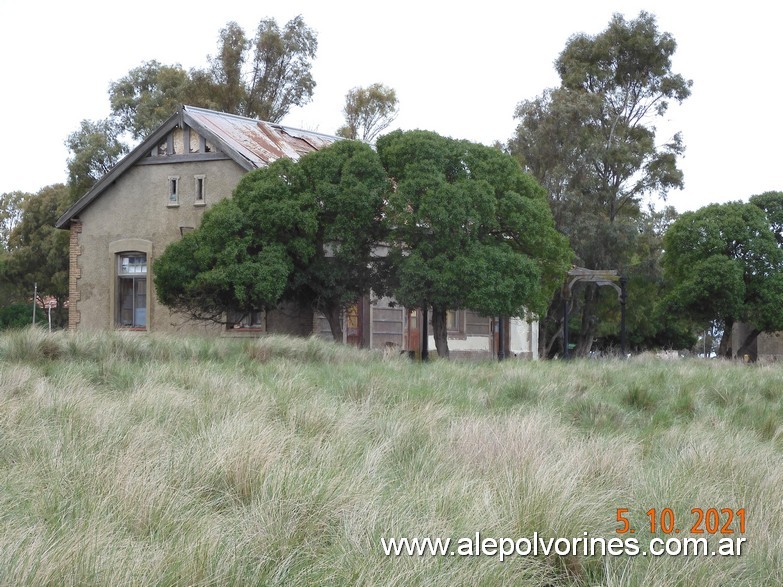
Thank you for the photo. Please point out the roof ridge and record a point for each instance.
(280, 125)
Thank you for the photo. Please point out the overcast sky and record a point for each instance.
(458, 71)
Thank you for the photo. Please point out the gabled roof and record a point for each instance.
(250, 143)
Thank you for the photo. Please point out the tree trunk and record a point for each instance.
(724, 349)
(545, 344)
(552, 323)
(334, 316)
(556, 339)
(587, 330)
(439, 332)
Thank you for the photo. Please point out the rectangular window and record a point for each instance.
(132, 290)
(173, 191)
(455, 322)
(130, 265)
(201, 185)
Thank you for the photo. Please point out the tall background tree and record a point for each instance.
(14, 311)
(145, 97)
(368, 112)
(468, 230)
(95, 148)
(592, 144)
(11, 211)
(281, 65)
(649, 323)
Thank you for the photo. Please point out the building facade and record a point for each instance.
(160, 191)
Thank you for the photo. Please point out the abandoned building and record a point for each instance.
(161, 189)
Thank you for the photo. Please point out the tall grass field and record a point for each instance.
(146, 460)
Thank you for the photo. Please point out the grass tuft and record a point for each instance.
(280, 461)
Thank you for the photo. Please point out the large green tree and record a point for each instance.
(303, 231)
(468, 229)
(38, 252)
(368, 112)
(723, 263)
(592, 144)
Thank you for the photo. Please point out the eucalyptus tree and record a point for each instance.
(11, 210)
(368, 112)
(94, 149)
(592, 144)
(146, 96)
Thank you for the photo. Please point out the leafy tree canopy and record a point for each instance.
(468, 229)
(11, 210)
(772, 205)
(15, 316)
(368, 112)
(147, 96)
(302, 231)
(95, 148)
(278, 77)
(723, 263)
(38, 252)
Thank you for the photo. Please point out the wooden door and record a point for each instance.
(413, 332)
(353, 325)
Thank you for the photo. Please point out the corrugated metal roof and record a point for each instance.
(251, 143)
(257, 141)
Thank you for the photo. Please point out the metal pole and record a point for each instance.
(623, 298)
(565, 328)
(35, 300)
(501, 340)
(705, 343)
(425, 353)
(49, 306)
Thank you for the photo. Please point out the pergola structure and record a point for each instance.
(600, 277)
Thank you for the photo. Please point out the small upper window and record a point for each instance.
(173, 191)
(133, 264)
(200, 190)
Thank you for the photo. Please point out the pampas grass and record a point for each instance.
(147, 460)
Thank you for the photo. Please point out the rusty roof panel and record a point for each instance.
(259, 142)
